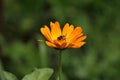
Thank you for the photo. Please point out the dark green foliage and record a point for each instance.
(99, 59)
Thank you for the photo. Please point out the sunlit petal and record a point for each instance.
(65, 29)
(69, 31)
(77, 45)
(75, 34)
(46, 32)
(81, 38)
(55, 30)
(50, 44)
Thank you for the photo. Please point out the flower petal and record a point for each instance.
(81, 38)
(50, 44)
(69, 30)
(60, 44)
(55, 30)
(77, 45)
(75, 34)
(65, 29)
(46, 32)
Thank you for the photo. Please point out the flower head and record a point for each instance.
(68, 37)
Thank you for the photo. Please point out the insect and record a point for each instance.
(62, 37)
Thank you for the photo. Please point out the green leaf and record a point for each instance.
(39, 74)
(9, 76)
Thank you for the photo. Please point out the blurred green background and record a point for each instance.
(99, 59)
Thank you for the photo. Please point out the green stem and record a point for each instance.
(60, 64)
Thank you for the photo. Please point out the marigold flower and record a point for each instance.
(69, 37)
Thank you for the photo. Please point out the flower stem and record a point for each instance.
(60, 64)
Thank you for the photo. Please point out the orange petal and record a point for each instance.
(77, 45)
(68, 32)
(75, 38)
(75, 34)
(60, 44)
(55, 30)
(81, 38)
(65, 29)
(77, 30)
(50, 44)
(46, 32)
(64, 45)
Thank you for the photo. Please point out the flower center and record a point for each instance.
(61, 37)
(61, 42)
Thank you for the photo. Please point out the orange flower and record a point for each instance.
(69, 37)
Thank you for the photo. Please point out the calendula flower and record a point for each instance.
(68, 37)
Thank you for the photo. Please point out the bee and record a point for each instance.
(62, 37)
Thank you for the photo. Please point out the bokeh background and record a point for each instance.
(21, 53)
